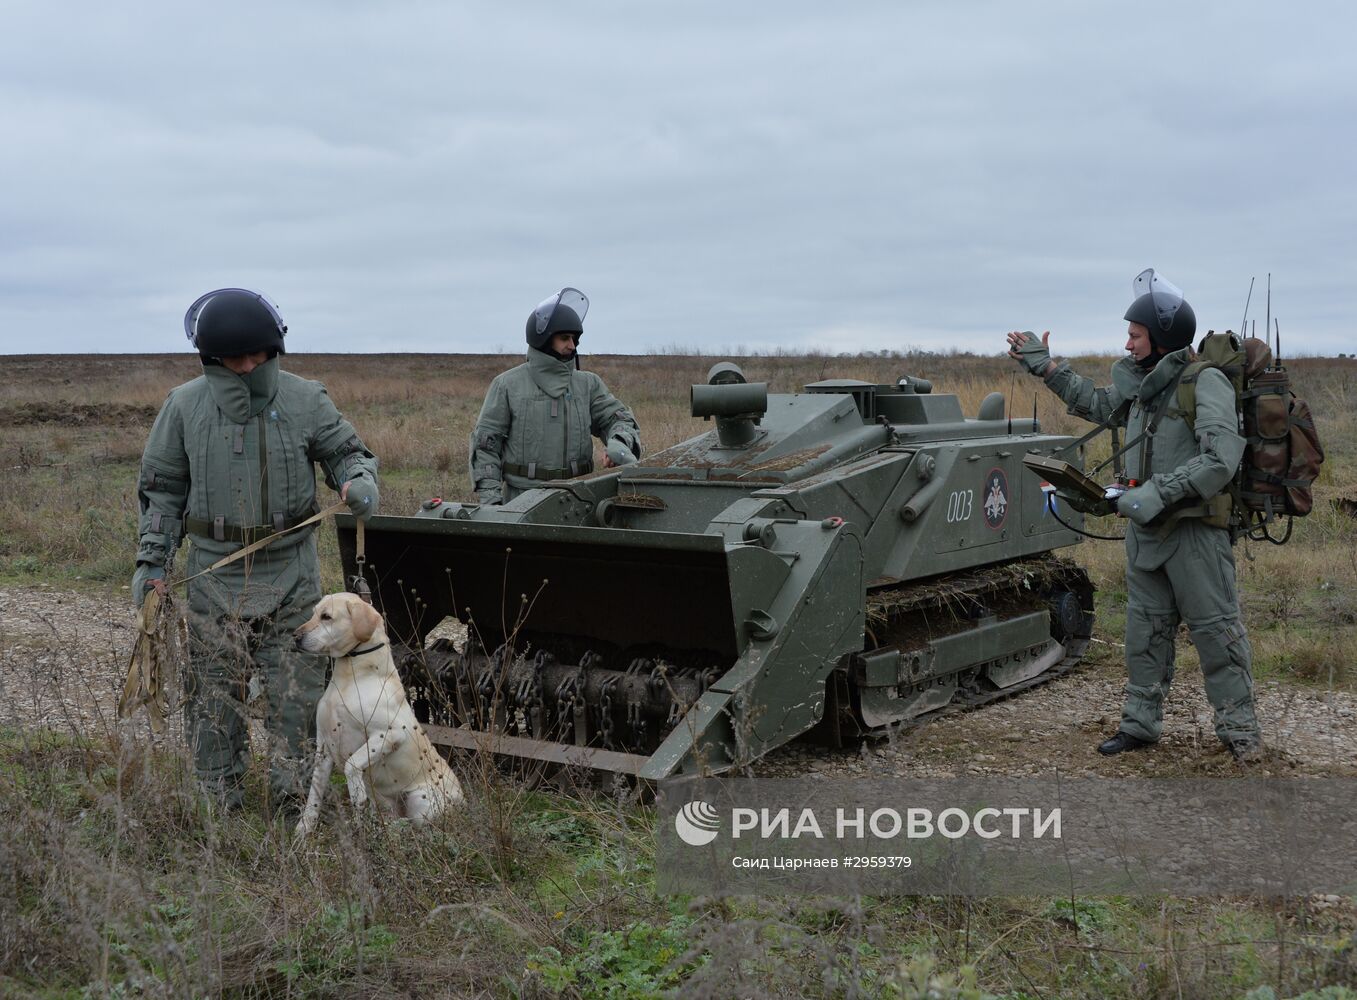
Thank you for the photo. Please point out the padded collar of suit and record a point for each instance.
(241, 397)
(1127, 376)
(551, 374)
(1163, 374)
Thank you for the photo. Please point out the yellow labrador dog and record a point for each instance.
(364, 722)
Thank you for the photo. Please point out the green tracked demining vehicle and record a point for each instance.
(836, 562)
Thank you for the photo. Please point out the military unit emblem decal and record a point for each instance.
(996, 498)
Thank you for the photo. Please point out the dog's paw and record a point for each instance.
(358, 793)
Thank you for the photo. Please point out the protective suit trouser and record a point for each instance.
(1195, 584)
(224, 653)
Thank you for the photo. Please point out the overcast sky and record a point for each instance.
(417, 176)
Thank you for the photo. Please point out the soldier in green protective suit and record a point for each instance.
(229, 461)
(1179, 563)
(535, 425)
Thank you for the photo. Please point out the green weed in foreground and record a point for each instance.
(1087, 916)
(915, 980)
(339, 944)
(640, 961)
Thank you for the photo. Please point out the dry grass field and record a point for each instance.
(115, 881)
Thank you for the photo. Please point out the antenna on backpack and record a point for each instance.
(1267, 322)
(1034, 413)
(1244, 323)
(1278, 325)
(1008, 403)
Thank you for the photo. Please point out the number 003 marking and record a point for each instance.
(960, 505)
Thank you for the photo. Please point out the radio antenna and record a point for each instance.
(1267, 322)
(1034, 413)
(1279, 342)
(1008, 404)
(1244, 323)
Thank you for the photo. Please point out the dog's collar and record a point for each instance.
(359, 652)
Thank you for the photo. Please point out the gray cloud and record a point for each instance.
(416, 176)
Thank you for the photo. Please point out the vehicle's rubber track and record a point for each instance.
(908, 609)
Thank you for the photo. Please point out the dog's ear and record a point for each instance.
(366, 619)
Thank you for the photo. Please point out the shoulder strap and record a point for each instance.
(1147, 449)
(1116, 417)
(1187, 391)
(1113, 421)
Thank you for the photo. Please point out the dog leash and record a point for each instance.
(359, 583)
(158, 627)
(267, 540)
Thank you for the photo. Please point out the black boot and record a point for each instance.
(1120, 743)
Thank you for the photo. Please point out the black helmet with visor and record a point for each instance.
(1159, 306)
(230, 322)
(561, 313)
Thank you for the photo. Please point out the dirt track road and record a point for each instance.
(62, 660)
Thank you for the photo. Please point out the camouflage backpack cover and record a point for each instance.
(1282, 453)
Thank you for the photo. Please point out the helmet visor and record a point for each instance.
(572, 298)
(191, 317)
(1166, 296)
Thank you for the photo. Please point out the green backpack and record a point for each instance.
(1282, 453)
